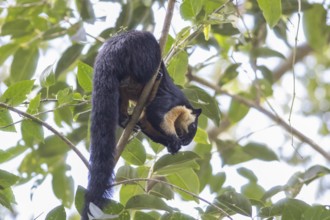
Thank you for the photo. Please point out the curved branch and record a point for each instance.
(176, 187)
(45, 112)
(269, 114)
(147, 88)
(46, 125)
(301, 52)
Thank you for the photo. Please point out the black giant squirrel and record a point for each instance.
(123, 66)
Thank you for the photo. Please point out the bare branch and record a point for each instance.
(269, 114)
(166, 25)
(46, 125)
(301, 52)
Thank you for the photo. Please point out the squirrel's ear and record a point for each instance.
(197, 112)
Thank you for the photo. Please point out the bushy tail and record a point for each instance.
(104, 120)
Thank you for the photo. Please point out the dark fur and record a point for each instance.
(132, 56)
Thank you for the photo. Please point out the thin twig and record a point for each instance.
(269, 114)
(176, 187)
(46, 125)
(294, 72)
(146, 90)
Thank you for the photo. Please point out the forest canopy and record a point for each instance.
(258, 69)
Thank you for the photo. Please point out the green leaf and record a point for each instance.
(189, 9)
(201, 137)
(139, 202)
(47, 77)
(116, 209)
(79, 200)
(6, 51)
(17, 92)
(177, 67)
(5, 120)
(186, 179)
(247, 174)
(157, 148)
(209, 6)
(86, 10)
(315, 172)
(262, 86)
(16, 28)
(126, 172)
(260, 151)
(266, 52)
(32, 132)
(267, 74)
(52, 146)
(272, 10)
(24, 64)
(176, 216)
(168, 164)
(58, 213)
(208, 104)
(7, 198)
(7, 179)
(232, 201)
(162, 190)
(229, 74)
(217, 181)
(63, 187)
(64, 114)
(253, 191)
(231, 153)
(288, 209)
(272, 191)
(315, 27)
(31, 165)
(54, 32)
(134, 152)
(128, 191)
(11, 153)
(64, 96)
(317, 212)
(85, 76)
(142, 216)
(34, 104)
(206, 31)
(183, 34)
(204, 173)
(169, 44)
(238, 110)
(68, 58)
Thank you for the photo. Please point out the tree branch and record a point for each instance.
(176, 187)
(269, 114)
(47, 111)
(301, 52)
(147, 89)
(46, 125)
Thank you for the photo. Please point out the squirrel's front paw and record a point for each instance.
(174, 146)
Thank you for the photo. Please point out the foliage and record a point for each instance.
(240, 74)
